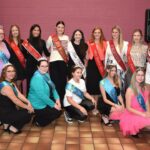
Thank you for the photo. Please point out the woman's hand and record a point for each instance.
(57, 107)
(58, 103)
(83, 110)
(93, 101)
(30, 109)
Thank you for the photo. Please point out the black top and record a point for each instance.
(20, 70)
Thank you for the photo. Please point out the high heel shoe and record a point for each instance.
(106, 121)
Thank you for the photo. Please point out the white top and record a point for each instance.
(55, 56)
(109, 57)
(147, 75)
(80, 85)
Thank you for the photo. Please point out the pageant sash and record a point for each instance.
(18, 52)
(3, 57)
(99, 63)
(130, 62)
(77, 60)
(74, 90)
(141, 101)
(31, 49)
(116, 55)
(59, 47)
(109, 88)
(6, 83)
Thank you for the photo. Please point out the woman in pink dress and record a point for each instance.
(137, 114)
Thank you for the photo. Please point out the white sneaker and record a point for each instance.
(95, 112)
(67, 118)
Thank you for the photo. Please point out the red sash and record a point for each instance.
(116, 55)
(99, 63)
(31, 50)
(59, 47)
(18, 52)
(130, 62)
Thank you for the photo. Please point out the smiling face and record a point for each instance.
(137, 37)
(140, 76)
(77, 36)
(115, 34)
(43, 67)
(77, 74)
(15, 31)
(112, 71)
(10, 73)
(60, 29)
(36, 32)
(1, 34)
(97, 34)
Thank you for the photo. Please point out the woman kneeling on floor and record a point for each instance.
(43, 96)
(111, 104)
(15, 109)
(76, 106)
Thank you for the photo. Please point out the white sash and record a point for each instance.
(76, 59)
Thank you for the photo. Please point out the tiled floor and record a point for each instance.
(91, 135)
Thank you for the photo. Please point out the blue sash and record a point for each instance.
(141, 101)
(6, 83)
(3, 57)
(109, 88)
(74, 90)
(46, 77)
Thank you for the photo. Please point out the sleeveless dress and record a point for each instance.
(131, 123)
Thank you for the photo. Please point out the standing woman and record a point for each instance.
(95, 67)
(58, 44)
(4, 51)
(136, 54)
(137, 114)
(15, 109)
(35, 47)
(18, 52)
(80, 48)
(116, 54)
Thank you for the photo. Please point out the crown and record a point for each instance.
(42, 58)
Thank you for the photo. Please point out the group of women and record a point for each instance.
(106, 77)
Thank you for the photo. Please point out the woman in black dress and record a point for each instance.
(40, 46)
(80, 48)
(17, 54)
(111, 102)
(96, 55)
(13, 118)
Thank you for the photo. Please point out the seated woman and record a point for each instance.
(43, 96)
(137, 114)
(111, 104)
(75, 104)
(11, 116)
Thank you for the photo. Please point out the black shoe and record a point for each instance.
(135, 136)
(106, 121)
(67, 118)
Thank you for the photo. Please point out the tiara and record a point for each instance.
(7, 64)
(77, 66)
(42, 58)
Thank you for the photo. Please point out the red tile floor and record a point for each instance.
(91, 135)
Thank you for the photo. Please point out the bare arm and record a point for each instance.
(105, 98)
(129, 94)
(88, 96)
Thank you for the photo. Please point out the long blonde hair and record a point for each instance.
(120, 41)
(133, 81)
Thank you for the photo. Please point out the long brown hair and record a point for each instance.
(133, 81)
(120, 41)
(102, 38)
(115, 78)
(11, 36)
(3, 73)
(139, 31)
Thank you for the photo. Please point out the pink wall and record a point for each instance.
(83, 14)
